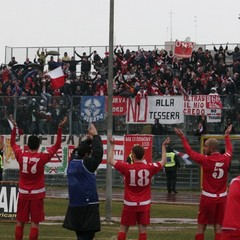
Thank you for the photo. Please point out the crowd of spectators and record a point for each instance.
(136, 74)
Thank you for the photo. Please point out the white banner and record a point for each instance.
(59, 162)
(208, 105)
(168, 109)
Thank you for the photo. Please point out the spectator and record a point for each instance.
(228, 123)
(85, 63)
(23, 119)
(5, 74)
(67, 92)
(214, 190)
(33, 109)
(27, 62)
(97, 60)
(42, 57)
(58, 111)
(52, 64)
(157, 130)
(105, 59)
(230, 90)
(83, 215)
(16, 90)
(12, 62)
(201, 125)
(65, 57)
(42, 120)
(213, 91)
(118, 51)
(235, 54)
(72, 67)
(236, 67)
(220, 54)
(46, 91)
(77, 125)
(169, 58)
(31, 181)
(171, 167)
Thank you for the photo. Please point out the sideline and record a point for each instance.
(117, 220)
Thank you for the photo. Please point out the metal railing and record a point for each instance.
(21, 53)
(21, 108)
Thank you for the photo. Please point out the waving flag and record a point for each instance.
(185, 157)
(19, 131)
(57, 77)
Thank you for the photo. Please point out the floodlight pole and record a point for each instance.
(109, 114)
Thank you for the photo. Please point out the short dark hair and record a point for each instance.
(83, 149)
(33, 142)
(138, 151)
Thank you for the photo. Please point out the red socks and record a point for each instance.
(121, 236)
(199, 236)
(142, 236)
(18, 233)
(217, 236)
(33, 234)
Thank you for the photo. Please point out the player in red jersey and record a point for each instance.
(137, 188)
(231, 223)
(215, 168)
(31, 181)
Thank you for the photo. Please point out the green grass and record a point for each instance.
(57, 207)
(109, 232)
(165, 231)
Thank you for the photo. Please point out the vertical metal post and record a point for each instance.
(110, 115)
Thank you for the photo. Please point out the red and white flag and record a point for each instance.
(185, 157)
(183, 49)
(19, 131)
(57, 77)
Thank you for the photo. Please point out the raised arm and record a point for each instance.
(14, 131)
(57, 145)
(164, 151)
(13, 137)
(78, 54)
(110, 159)
(93, 162)
(228, 144)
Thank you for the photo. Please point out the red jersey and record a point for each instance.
(31, 168)
(137, 182)
(232, 209)
(215, 168)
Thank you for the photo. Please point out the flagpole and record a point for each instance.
(109, 114)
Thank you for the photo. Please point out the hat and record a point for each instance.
(213, 89)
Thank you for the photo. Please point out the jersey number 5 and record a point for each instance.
(218, 171)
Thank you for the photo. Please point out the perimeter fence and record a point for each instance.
(188, 175)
